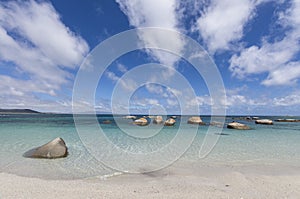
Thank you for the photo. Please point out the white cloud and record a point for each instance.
(145, 102)
(289, 100)
(172, 102)
(155, 13)
(37, 45)
(128, 84)
(174, 92)
(15, 87)
(150, 13)
(40, 24)
(235, 100)
(112, 76)
(154, 88)
(284, 75)
(274, 58)
(163, 91)
(222, 22)
(153, 101)
(122, 68)
(200, 101)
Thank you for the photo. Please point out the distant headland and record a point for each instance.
(18, 111)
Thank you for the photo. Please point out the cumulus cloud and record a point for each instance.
(274, 58)
(222, 22)
(37, 45)
(155, 13)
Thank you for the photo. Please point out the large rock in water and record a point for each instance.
(264, 121)
(55, 149)
(239, 126)
(158, 120)
(141, 122)
(170, 122)
(195, 120)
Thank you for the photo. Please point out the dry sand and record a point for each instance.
(208, 182)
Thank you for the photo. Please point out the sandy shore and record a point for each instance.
(208, 182)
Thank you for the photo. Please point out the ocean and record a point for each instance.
(90, 155)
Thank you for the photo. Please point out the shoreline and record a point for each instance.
(229, 181)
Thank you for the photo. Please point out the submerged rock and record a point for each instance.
(287, 120)
(141, 122)
(106, 122)
(264, 121)
(195, 120)
(54, 149)
(170, 122)
(158, 120)
(217, 124)
(239, 126)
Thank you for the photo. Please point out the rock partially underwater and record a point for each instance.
(195, 120)
(170, 122)
(264, 121)
(239, 126)
(158, 120)
(54, 149)
(141, 122)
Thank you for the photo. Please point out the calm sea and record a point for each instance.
(263, 144)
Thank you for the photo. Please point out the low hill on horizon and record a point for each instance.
(18, 111)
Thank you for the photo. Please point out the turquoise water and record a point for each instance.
(263, 144)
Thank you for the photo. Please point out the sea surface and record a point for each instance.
(277, 144)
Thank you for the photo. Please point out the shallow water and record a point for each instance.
(263, 144)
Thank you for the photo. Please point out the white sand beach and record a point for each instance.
(208, 182)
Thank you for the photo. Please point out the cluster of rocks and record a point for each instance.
(240, 126)
(57, 148)
(156, 120)
(169, 122)
(198, 121)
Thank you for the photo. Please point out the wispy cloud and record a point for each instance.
(122, 68)
(128, 84)
(289, 100)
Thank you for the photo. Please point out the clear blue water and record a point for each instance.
(263, 144)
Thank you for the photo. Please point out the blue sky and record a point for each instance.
(254, 43)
